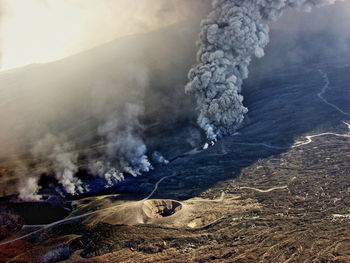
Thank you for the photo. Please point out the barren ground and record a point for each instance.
(239, 201)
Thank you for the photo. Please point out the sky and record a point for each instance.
(38, 31)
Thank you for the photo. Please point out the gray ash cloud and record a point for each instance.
(233, 34)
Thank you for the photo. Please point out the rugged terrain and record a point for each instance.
(267, 194)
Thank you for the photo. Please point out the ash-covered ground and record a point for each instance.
(267, 194)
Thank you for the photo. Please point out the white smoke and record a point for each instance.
(233, 33)
(157, 157)
(67, 103)
(118, 107)
(125, 153)
(125, 150)
(28, 189)
(61, 159)
(56, 157)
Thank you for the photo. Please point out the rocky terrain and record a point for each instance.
(277, 191)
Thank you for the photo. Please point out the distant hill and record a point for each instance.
(59, 96)
(71, 96)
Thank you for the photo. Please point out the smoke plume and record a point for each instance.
(233, 33)
(125, 150)
(157, 157)
(58, 158)
(28, 189)
(119, 129)
(105, 105)
(62, 159)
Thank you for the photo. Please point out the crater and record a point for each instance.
(158, 208)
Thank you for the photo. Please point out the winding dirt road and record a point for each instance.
(195, 151)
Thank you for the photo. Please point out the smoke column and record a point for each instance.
(125, 150)
(119, 128)
(233, 33)
(62, 160)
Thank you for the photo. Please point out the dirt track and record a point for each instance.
(271, 199)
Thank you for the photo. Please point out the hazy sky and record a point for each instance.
(34, 31)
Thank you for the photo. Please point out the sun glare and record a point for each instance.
(36, 31)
